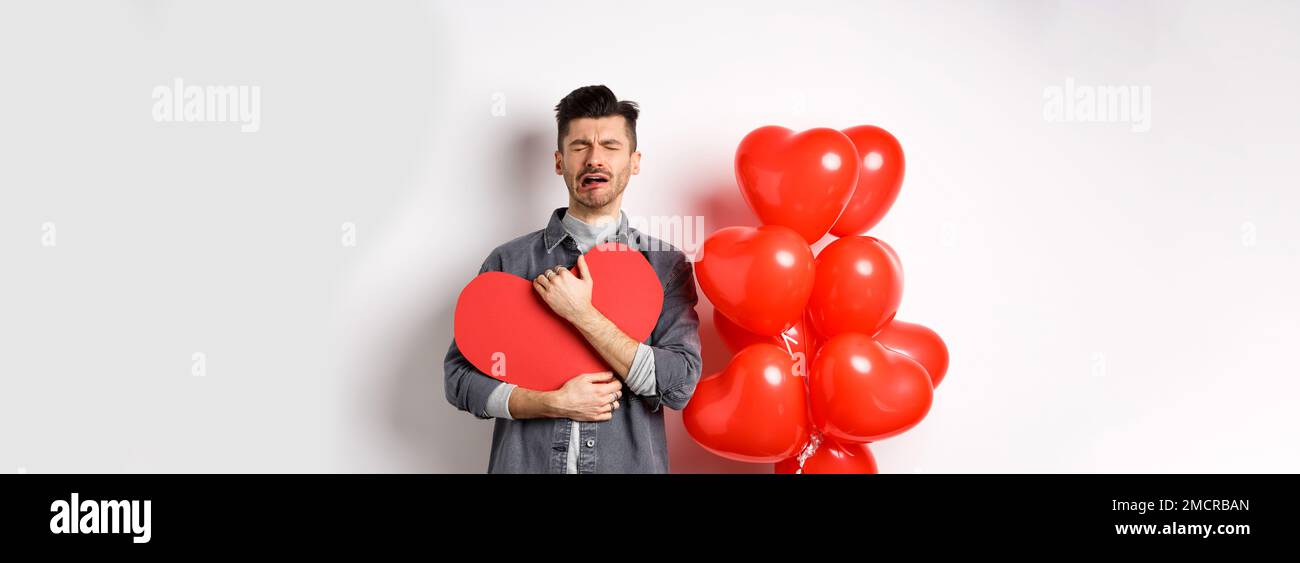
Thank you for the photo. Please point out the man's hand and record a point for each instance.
(570, 297)
(566, 294)
(590, 397)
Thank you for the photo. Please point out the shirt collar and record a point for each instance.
(554, 233)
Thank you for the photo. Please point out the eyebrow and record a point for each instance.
(586, 142)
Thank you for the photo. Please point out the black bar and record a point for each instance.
(337, 510)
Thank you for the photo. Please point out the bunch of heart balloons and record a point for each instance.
(821, 367)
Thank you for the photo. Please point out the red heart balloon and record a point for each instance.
(920, 344)
(507, 331)
(759, 278)
(858, 289)
(755, 410)
(737, 338)
(796, 339)
(880, 177)
(863, 392)
(833, 458)
(801, 181)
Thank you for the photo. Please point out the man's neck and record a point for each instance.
(590, 216)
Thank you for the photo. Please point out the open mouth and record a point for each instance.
(593, 181)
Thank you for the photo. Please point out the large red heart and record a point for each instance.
(801, 181)
(507, 331)
(755, 410)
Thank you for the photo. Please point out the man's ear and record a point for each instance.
(559, 163)
(636, 162)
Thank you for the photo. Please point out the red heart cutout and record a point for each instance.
(755, 410)
(801, 181)
(505, 329)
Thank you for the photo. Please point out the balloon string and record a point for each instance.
(814, 440)
(785, 337)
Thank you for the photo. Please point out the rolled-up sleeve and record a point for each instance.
(467, 388)
(641, 375)
(675, 341)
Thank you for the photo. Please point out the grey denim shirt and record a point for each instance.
(633, 441)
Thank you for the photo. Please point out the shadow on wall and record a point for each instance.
(433, 435)
(441, 438)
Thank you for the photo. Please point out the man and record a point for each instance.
(612, 421)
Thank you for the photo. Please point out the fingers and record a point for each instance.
(552, 275)
(598, 376)
(610, 387)
(607, 407)
(591, 378)
(598, 417)
(556, 274)
(541, 283)
(602, 405)
(582, 268)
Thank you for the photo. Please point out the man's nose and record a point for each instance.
(596, 158)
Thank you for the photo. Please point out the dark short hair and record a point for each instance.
(594, 101)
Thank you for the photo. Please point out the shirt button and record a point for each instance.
(590, 442)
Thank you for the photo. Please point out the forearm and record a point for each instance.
(614, 346)
(528, 403)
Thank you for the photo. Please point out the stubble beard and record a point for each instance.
(598, 200)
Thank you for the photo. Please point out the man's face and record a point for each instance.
(596, 160)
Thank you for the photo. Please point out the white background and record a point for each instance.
(1113, 301)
